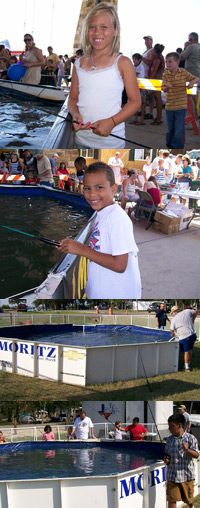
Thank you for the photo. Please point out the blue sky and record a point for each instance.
(168, 23)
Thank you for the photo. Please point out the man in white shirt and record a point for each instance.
(116, 164)
(45, 175)
(188, 423)
(82, 425)
(182, 326)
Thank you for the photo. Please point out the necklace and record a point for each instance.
(94, 66)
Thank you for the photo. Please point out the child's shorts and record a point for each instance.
(188, 343)
(180, 492)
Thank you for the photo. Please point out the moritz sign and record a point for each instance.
(47, 352)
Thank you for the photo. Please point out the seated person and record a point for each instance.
(129, 186)
(62, 170)
(80, 165)
(152, 187)
(31, 179)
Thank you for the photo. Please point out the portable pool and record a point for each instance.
(94, 474)
(84, 355)
(43, 212)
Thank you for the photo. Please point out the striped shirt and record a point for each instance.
(160, 178)
(181, 466)
(176, 97)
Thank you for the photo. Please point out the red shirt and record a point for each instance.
(136, 431)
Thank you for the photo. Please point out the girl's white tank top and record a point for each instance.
(100, 97)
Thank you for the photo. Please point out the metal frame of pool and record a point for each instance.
(84, 365)
(143, 487)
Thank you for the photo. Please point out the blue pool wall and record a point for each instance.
(123, 446)
(24, 332)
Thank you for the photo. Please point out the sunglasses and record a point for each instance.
(27, 40)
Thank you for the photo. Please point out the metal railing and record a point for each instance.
(149, 321)
(61, 432)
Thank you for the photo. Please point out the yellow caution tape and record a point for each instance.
(155, 85)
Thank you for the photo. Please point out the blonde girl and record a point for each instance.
(98, 80)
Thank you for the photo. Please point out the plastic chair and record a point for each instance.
(144, 208)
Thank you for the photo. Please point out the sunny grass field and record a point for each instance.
(174, 386)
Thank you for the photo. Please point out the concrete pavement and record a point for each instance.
(169, 264)
(154, 135)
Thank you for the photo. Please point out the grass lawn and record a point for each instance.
(196, 502)
(180, 385)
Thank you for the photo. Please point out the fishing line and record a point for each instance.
(113, 135)
(40, 238)
(148, 384)
(155, 424)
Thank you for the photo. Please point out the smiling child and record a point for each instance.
(112, 251)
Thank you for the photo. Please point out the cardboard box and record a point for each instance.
(185, 218)
(165, 223)
(181, 211)
(167, 229)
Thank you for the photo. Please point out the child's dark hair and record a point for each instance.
(136, 419)
(159, 48)
(173, 55)
(117, 422)
(177, 419)
(96, 167)
(47, 427)
(80, 159)
(130, 172)
(137, 55)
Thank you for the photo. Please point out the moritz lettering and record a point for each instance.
(28, 349)
(135, 483)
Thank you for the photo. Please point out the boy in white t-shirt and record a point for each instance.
(113, 269)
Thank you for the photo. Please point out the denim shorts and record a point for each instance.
(188, 343)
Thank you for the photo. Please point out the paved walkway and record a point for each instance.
(154, 135)
(169, 264)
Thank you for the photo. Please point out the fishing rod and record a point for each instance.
(40, 238)
(113, 135)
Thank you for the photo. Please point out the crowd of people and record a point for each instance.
(164, 169)
(40, 170)
(48, 69)
(182, 65)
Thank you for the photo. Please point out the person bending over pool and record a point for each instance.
(137, 431)
(181, 448)
(48, 434)
(112, 251)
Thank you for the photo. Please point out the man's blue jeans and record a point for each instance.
(175, 137)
